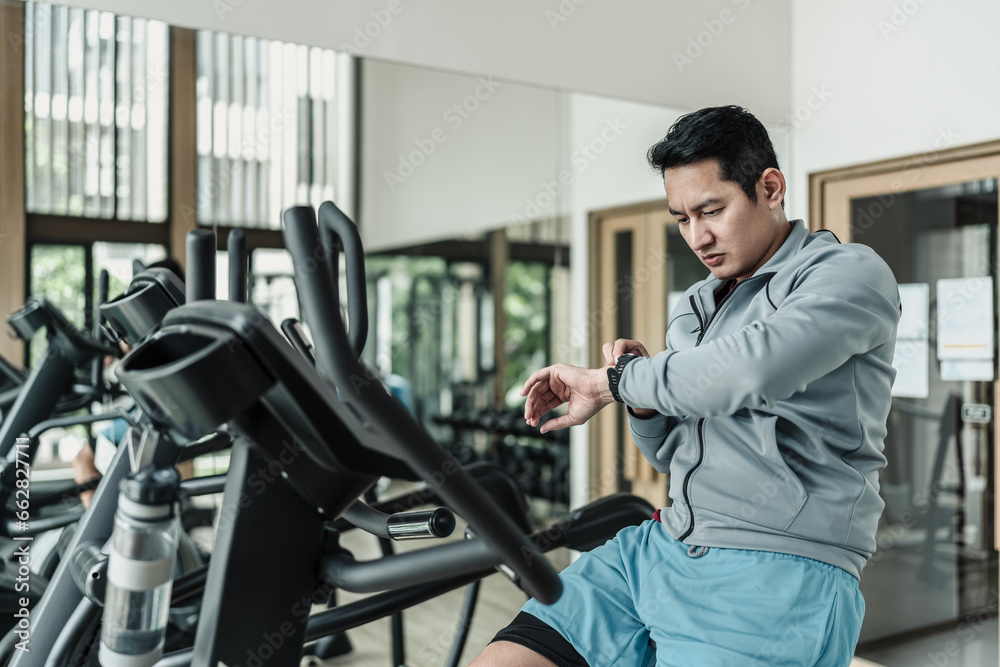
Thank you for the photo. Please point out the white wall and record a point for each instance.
(894, 82)
(627, 50)
(432, 170)
(618, 175)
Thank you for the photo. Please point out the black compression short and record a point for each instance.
(541, 638)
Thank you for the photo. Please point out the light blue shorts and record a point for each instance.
(644, 598)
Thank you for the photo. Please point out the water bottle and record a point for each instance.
(141, 569)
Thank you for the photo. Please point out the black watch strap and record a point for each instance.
(615, 375)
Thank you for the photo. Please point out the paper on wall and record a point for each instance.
(914, 320)
(967, 369)
(965, 318)
(912, 354)
(912, 363)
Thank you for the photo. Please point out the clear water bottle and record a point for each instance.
(141, 569)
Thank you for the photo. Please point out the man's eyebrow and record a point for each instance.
(707, 202)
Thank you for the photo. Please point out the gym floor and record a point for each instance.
(974, 647)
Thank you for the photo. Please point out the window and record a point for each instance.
(66, 275)
(96, 91)
(268, 128)
(272, 286)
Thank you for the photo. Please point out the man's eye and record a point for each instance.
(713, 213)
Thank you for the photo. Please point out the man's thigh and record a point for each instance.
(597, 612)
(754, 608)
(643, 596)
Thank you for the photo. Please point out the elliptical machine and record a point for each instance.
(324, 434)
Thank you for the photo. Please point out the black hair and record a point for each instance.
(731, 135)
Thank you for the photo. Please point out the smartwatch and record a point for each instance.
(615, 374)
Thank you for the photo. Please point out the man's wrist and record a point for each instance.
(615, 374)
(601, 388)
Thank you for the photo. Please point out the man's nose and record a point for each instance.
(700, 235)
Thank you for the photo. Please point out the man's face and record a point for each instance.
(731, 235)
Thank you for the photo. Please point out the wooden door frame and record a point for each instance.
(915, 172)
(644, 329)
(830, 193)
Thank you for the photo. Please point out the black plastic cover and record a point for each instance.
(138, 311)
(160, 374)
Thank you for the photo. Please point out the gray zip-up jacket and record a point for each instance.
(773, 405)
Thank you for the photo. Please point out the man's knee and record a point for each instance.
(508, 653)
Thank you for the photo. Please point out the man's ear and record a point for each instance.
(773, 183)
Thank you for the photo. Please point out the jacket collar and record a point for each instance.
(797, 239)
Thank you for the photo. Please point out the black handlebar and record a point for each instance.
(334, 225)
(391, 429)
(199, 276)
(237, 247)
(417, 524)
(97, 365)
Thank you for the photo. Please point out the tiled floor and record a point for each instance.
(972, 643)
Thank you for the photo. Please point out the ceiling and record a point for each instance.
(684, 55)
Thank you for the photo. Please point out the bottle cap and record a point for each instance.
(152, 486)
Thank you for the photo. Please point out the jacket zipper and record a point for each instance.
(703, 327)
(687, 477)
(697, 313)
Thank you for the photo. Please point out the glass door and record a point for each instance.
(936, 561)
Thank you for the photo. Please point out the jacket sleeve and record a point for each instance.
(844, 304)
(650, 434)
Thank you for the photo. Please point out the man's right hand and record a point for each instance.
(626, 346)
(584, 389)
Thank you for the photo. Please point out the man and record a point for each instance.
(768, 409)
